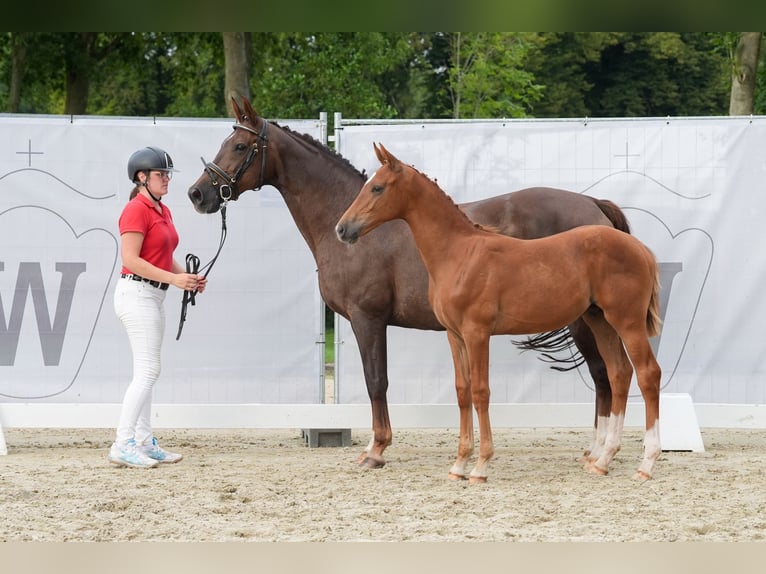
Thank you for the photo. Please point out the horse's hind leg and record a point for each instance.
(464, 401)
(620, 372)
(371, 337)
(649, 375)
(586, 344)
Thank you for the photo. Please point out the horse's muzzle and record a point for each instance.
(197, 198)
(347, 232)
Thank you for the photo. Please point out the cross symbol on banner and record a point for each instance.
(627, 155)
(29, 153)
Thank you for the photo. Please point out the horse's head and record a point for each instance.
(239, 164)
(378, 201)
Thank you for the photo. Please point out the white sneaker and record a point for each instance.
(159, 454)
(128, 454)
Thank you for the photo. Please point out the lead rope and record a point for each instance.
(192, 266)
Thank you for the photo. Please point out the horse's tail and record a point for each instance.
(559, 341)
(653, 320)
(614, 213)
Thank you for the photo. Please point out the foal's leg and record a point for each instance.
(620, 372)
(586, 344)
(649, 375)
(463, 390)
(370, 335)
(477, 346)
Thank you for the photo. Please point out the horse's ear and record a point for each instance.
(379, 154)
(249, 111)
(236, 109)
(386, 156)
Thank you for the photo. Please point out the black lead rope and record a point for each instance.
(192, 266)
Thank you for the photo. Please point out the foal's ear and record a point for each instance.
(379, 153)
(386, 157)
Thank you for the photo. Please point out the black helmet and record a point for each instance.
(149, 158)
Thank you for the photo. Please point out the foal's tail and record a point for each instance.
(614, 213)
(653, 320)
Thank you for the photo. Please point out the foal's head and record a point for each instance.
(381, 198)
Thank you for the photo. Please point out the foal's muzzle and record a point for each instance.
(348, 232)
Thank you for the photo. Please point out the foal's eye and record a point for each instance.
(377, 189)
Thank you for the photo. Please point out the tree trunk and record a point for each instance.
(236, 49)
(743, 74)
(18, 65)
(79, 64)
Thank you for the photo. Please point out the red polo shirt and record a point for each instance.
(160, 236)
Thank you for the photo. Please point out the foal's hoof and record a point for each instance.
(591, 468)
(372, 462)
(477, 479)
(453, 476)
(586, 458)
(642, 476)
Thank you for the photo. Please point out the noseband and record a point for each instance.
(227, 187)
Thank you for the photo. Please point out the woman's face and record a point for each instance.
(158, 182)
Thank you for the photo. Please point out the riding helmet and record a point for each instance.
(149, 158)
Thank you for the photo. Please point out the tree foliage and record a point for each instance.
(376, 75)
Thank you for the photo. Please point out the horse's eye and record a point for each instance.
(240, 147)
(377, 189)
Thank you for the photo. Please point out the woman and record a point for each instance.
(148, 239)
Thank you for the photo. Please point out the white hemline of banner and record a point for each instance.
(680, 419)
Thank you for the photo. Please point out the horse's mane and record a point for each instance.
(488, 228)
(317, 145)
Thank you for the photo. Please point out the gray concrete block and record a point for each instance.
(326, 437)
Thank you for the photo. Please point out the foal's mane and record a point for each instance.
(433, 182)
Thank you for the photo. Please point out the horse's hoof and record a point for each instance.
(454, 476)
(593, 469)
(642, 476)
(477, 479)
(361, 458)
(370, 462)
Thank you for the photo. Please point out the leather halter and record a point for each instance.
(227, 187)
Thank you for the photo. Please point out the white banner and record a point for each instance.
(693, 191)
(252, 337)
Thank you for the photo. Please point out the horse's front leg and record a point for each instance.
(477, 345)
(370, 335)
(463, 390)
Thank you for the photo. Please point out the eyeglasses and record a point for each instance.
(164, 174)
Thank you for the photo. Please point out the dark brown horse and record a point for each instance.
(382, 280)
(482, 283)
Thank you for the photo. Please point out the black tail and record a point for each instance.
(560, 341)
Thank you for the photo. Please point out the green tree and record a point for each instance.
(487, 79)
(620, 74)
(299, 75)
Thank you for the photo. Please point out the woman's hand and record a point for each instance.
(190, 282)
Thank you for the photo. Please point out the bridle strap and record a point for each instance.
(227, 188)
(192, 266)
